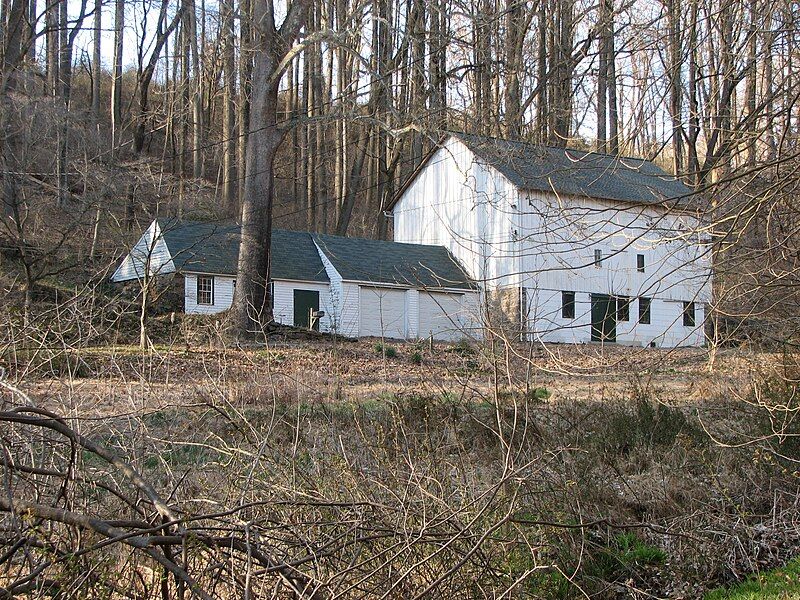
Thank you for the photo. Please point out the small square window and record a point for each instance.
(688, 314)
(205, 290)
(623, 309)
(567, 305)
(644, 311)
(598, 258)
(640, 263)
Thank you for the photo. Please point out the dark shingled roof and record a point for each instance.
(214, 248)
(576, 172)
(202, 247)
(415, 265)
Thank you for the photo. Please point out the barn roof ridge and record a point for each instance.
(532, 166)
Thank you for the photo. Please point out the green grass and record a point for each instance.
(387, 351)
(779, 584)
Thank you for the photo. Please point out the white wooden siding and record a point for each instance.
(459, 202)
(665, 329)
(343, 300)
(412, 313)
(383, 312)
(545, 243)
(441, 316)
(150, 250)
(223, 295)
(283, 301)
(559, 237)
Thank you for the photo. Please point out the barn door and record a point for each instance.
(305, 302)
(604, 318)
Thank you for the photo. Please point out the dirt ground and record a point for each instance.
(117, 379)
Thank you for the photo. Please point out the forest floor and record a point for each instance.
(675, 446)
(330, 370)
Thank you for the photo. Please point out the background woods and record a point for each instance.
(705, 88)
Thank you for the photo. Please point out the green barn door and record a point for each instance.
(604, 318)
(305, 301)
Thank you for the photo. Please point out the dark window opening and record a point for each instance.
(205, 290)
(623, 309)
(644, 311)
(640, 263)
(567, 305)
(688, 314)
(598, 258)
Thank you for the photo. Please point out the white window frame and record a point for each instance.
(210, 279)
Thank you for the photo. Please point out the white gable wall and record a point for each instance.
(343, 300)
(459, 202)
(151, 250)
(545, 243)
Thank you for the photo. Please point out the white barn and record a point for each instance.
(363, 287)
(570, 246)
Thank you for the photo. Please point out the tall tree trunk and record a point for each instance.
(750, 85)
(602, 79)
(514, 39)
(245, 76)
(97, 67)
(64, 84)
(611, 78)
(198, 126)
(146, 72)
(675, 82)
(116, 81)
(252, 306)
(693, 161)
(231, 198)
(30, 42)
(438, 65)
(541, 72)
(52, 25)
(10, 157)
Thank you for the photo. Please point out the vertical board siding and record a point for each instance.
(412, 313)
(666, 327)
(383, 312)
(460, 203)
(441, 316)
(545, 243)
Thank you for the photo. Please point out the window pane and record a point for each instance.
(623, 309)
(205, 290)
(567, 305)
(688, 314)
(598, 257)
(644, 311)
(640, 263)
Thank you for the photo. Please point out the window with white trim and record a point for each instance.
(205, 290)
